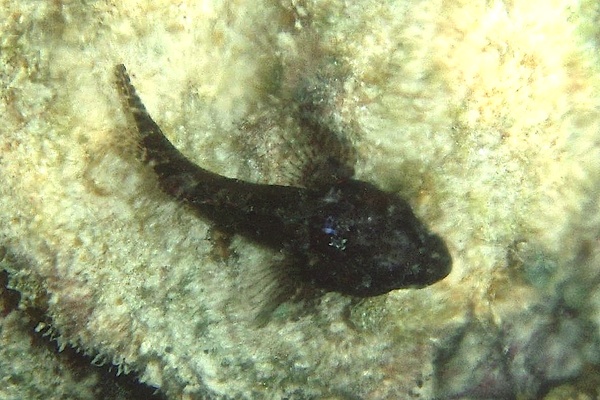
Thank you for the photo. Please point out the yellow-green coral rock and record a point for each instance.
(483, 115)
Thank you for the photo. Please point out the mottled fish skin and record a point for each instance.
(346, 235)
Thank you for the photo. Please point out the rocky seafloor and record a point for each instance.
(484, 116)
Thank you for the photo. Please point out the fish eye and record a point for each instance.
(328, 226)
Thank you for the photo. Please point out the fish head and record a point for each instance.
(366, 242)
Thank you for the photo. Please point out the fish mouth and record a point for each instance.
(440, 261)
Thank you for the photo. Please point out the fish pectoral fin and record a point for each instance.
(273, 291)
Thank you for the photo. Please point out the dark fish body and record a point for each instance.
(346, 235)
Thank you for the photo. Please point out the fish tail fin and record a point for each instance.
(177, 175)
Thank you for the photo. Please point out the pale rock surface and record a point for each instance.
(484, 115)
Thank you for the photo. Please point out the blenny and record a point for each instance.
(341, 234)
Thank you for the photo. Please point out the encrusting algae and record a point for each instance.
(482, 115)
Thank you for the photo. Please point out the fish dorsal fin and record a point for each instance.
(300, 141)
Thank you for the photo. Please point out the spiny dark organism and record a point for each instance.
(342, 234)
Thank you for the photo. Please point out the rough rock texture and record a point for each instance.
(28, 372)
(484, 115)
(32, 368)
